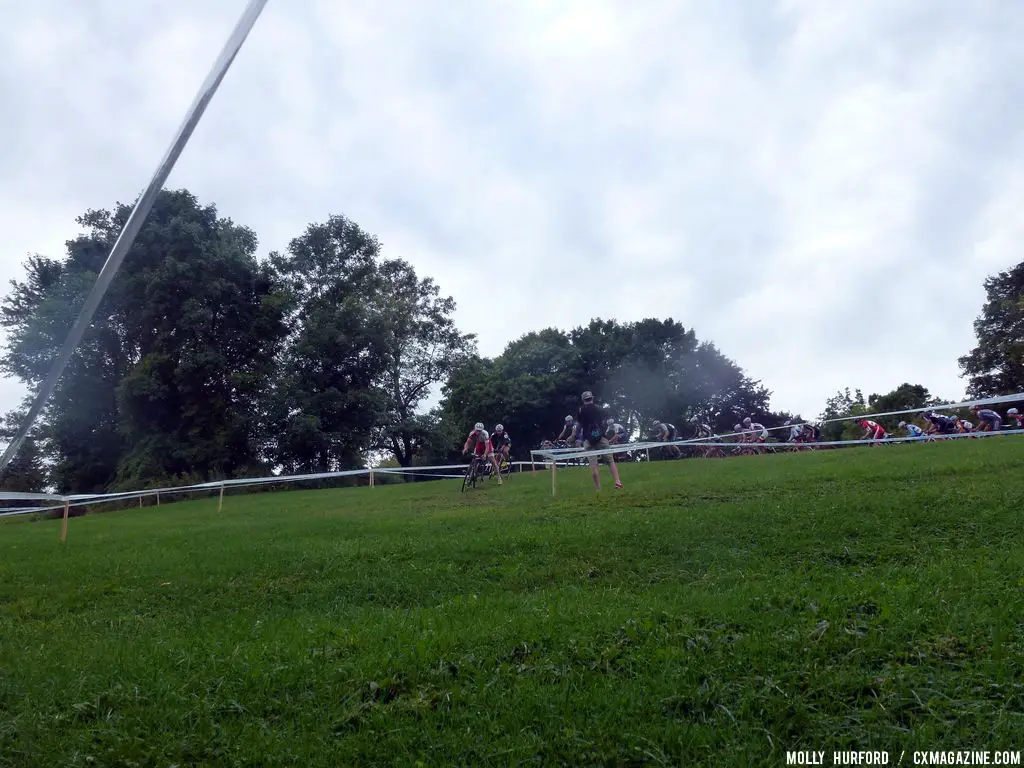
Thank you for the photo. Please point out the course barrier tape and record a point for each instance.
(560, 457)
(87, 499)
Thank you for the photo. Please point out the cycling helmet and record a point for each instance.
(903, 424)
(737, 428)
(568, 419)
(588, 395)
(1012, 412)
(499, 427)
(478, 427)
(746, 422)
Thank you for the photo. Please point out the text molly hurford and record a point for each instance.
(883, 757)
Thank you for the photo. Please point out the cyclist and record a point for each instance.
(480, 441)
(912, 430)
(963, 426)
(501, 442)
(1016, 416)
(667, 433)
(702, 429)
(873, 430)
(615, 433)
(939, 423)
(990, 420)
(758, 433)
(570, 432)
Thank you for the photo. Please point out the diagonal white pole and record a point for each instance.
(137, 217)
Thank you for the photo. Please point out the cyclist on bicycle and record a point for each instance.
(615, 433)
(759, 433)
(666, 433)
(990, 420)
(873, 430)
(912, 429)
(1014, 414)
(703, 430)
(939, 423)
(570, 432)
(501, 442)
(480, 441)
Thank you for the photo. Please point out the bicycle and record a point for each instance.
(472, 473)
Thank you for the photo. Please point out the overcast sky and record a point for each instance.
(818, 187)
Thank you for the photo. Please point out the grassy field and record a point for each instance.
(711, 613)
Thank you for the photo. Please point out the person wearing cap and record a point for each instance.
(592, 429)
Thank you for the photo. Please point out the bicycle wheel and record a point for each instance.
(469, 479)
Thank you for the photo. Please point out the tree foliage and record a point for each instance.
(168, 379)
(645, 371)
(996, 365)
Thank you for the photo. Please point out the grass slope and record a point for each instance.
(713, 612)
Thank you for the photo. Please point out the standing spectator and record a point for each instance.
(592, 428)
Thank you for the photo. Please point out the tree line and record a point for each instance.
(206, 361)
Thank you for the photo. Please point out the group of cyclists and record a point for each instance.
(942, 424)
(602, 430)
(753, 435)
(492, 447)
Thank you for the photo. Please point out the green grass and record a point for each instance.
(711, 613)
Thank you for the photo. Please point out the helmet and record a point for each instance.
(1012, 412)
(499, 427)
(609, 422)
(478, 427)
(737, 428)
(903, 424)
(568, 419)
(588, 395)
(746, 422)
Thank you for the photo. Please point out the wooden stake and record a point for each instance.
(220, 502)
(64, 523)
(158, 498)
(140, 502)
(553, 477)
(371, 477)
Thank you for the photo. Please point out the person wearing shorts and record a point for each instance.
(592, 428)
(480, 441)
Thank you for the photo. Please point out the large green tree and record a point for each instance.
(170, 378)
(647, 370)
(421, 347)
(326, 403)
(996, 365)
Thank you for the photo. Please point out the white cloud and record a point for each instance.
(818, 188)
